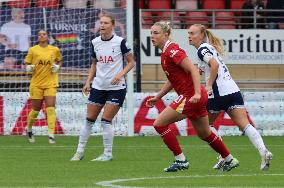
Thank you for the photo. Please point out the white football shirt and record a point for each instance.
(224, 83)
(17, 33)
(109, 55)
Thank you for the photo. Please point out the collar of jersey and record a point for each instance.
(166, 45)
(107, 39)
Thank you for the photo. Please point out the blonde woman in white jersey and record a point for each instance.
(108, 89)
(223, 92)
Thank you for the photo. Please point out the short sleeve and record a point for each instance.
(93, 54)
(202, 52)
(125, 48)
(29, 57)
(58, 55)
(177, 54)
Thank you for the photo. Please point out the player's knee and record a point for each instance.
(33, 113)
(156, 123)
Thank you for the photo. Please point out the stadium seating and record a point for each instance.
(20, 4)
(123, 3)
(104, 4)
(237, 4)
(225, 20)
(159, 4)
(186, 4)
(195, 18)
(172, 17)
(75, 4)
(265, 3)
(147, 20)
(47, 3)
(213, 4)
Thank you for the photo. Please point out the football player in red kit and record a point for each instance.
(191, 102)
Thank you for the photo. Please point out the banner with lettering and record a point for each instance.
(70, 29)
(254, 46)
(265, 112)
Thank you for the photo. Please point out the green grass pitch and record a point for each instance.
(138, 162)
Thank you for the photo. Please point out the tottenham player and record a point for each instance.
(43, 61)
(191, 102)
(108, 90)
(223, 92)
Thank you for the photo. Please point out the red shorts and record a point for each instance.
(192, 110)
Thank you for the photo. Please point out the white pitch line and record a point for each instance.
(41, 146)
(111, 182)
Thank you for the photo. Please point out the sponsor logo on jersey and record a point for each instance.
(106, 59)
(173, 52)
(43, 62)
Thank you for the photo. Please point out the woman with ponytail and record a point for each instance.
(223, 92)
(184, 78)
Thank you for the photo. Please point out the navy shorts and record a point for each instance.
(101, 97)
(225, 103)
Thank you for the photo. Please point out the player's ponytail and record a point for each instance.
(214, 41)
(166, 27)
(211, 39)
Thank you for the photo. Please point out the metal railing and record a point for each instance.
(215, 18)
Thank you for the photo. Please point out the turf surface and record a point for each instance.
(138, 162)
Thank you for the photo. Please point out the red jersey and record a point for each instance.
(181, 81)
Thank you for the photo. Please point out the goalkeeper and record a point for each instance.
(43, 61)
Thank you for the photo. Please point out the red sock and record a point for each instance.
(217, 144)
(169, 139)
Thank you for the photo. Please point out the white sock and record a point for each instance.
(255, 139)
(108, 134)
(84, 136)
(51, 135)
(180, 157)
(229, 158)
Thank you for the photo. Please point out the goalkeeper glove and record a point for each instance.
(30, 68)
(55, 68)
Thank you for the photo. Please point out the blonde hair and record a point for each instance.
(108, 16)
(212, 39)
(166, 27)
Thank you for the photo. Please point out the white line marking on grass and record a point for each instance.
(112, 182)
(42, 146)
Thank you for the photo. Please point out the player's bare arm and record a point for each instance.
(213, 74)
(164, 90)
(92, 74)
(130, 64)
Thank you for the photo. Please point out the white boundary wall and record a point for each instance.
(242, 46)
(266, 109)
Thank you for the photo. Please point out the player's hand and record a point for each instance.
(116, 80)
(30, 68)
(151, 102)
(55, 68)
(200, 71)
(209, 90)
(86, 90)
(195, 98)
